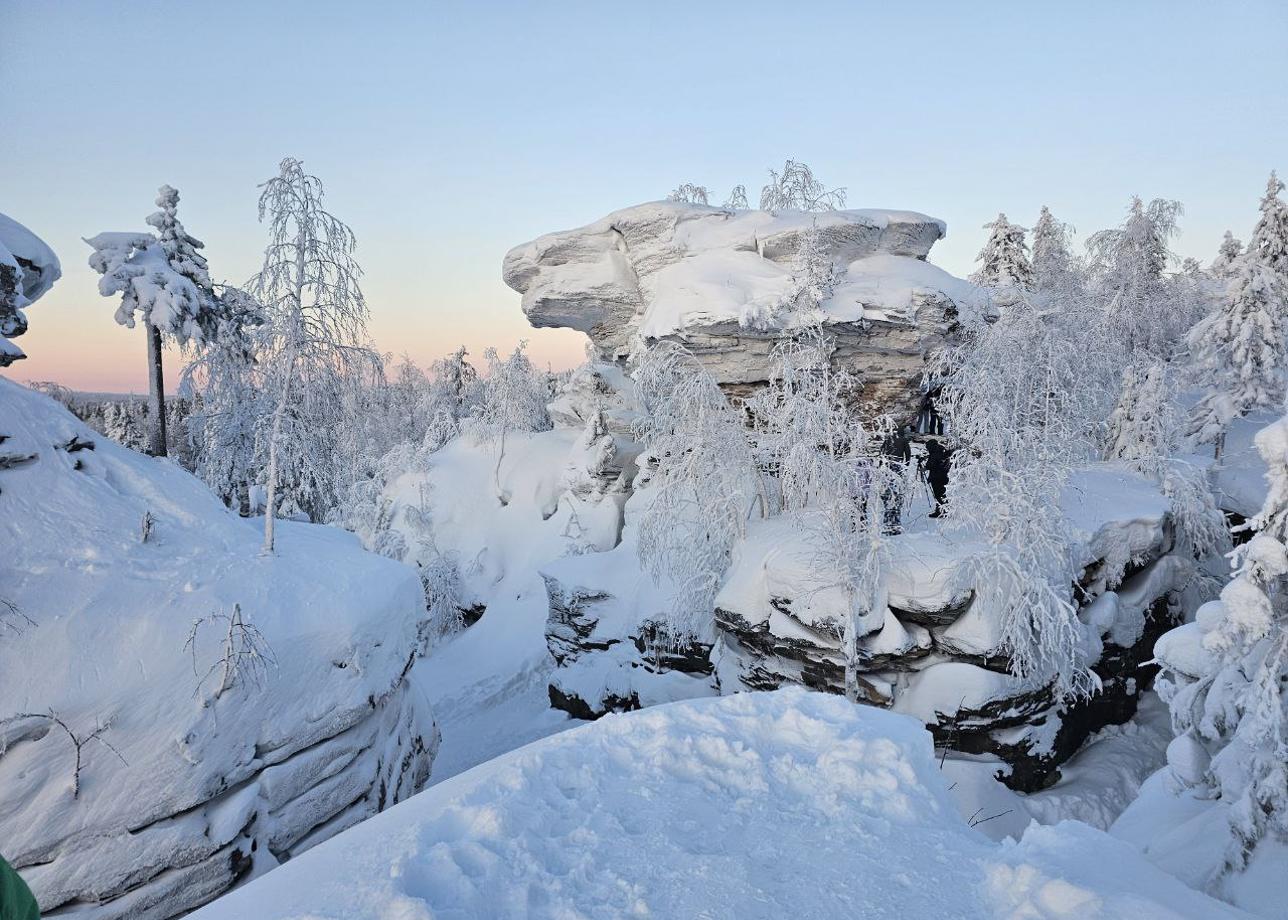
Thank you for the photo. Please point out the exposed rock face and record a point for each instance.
(672, 270)
(605, 665)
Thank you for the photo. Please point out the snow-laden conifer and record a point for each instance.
(1227, 256)
(163, 281)
(1239, 351)
(1004, 260)
(1226, 677)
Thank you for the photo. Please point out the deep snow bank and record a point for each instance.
(758, 805)
(205, 790)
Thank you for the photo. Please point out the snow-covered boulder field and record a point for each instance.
(190, 776)
(707, 276)
(761, 805)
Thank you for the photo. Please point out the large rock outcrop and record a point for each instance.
(669, 270)
(138, 777)
(933, 654)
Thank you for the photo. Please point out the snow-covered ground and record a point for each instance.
(756, 805)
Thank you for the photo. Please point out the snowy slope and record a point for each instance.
(761, 805)
(204, 789)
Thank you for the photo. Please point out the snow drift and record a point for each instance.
(759, 805)
(110, 557)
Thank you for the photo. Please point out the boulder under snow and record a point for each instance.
(109, 558)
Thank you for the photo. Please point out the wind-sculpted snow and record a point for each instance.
(760, 805)
(204, 781)
(727, 284)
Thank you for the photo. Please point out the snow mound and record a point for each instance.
(205, 789)
(760, 805)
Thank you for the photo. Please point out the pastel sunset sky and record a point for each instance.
(448, 132)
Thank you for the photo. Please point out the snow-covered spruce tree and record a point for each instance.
(1004, 260)
(690, 193)
(1127, 264)
(513, 399)
(1145, 431)
(1227, 256)
(313, 345)
(1239, 351)
(702, 483)
(1052, 261)
(1144, 427)
(796, 189)
(1231, 719)
(454, 396)
(1270, 236)
(222, 382)
(164, 280)
(737, 200)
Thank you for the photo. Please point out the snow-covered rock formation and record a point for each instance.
(139, 776)
(779, 620)
(28, 269)
(758, 806)
(710, 277)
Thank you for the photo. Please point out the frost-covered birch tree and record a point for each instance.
(313, 345)
(828, 471)
(689, 193)
(222, 380)
(163, 280)
(796, 189)
(737, 200)
(1025, 400)
(701, 481)
(513, 398)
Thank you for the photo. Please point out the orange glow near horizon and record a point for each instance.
(74, 341)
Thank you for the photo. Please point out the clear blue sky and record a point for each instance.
(448, 132)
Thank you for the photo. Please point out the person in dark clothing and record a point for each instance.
(938, 462)
(16, 899)
(897, 447)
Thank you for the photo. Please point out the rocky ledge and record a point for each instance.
(669, 270)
